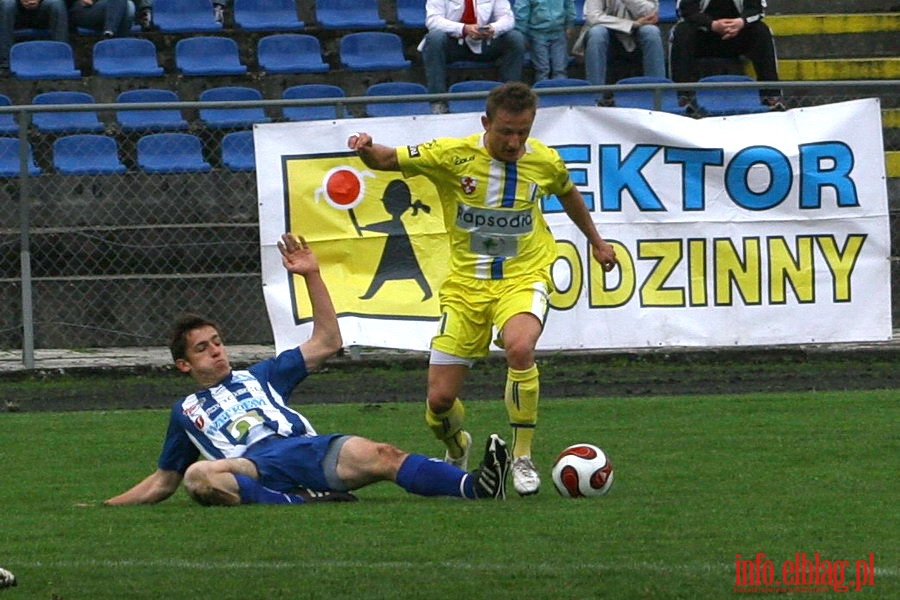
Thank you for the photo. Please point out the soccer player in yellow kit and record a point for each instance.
(490, 184)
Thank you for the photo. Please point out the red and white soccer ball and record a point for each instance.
(582, 470)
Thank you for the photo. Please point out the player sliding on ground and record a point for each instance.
(259, 450)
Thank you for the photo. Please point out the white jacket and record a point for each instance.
(446, 16)
(618, 15)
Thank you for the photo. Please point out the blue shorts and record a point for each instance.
(285, 463)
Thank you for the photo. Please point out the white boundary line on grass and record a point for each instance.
(655, 567)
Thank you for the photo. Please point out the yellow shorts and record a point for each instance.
(472, 308)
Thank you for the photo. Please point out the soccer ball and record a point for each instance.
(582, 470)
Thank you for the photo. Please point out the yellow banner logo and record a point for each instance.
(380, 239)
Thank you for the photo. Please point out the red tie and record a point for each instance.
(468, 16)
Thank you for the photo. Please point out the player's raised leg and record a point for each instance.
(444, 411)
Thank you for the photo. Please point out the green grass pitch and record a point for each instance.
(699, 480)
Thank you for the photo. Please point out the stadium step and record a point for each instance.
(836, 35)
(794, 7)
(840, 69)
(818, 24)
(849, 35)
(892, 163)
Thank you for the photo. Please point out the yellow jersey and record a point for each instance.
(491, 208)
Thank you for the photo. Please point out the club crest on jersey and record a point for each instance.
(468, 184)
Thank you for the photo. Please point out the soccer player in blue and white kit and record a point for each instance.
(258, 450)
(501, 251)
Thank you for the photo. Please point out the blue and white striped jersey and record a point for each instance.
(247, 406)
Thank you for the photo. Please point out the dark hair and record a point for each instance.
(513, 96)
(184, 324)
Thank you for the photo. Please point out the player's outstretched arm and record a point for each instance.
(573, 204)
(375, 156)
(156, 487)
(326, 340)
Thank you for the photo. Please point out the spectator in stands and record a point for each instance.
(481, 31)
(219, 11)
(111, 17)
(547, 25)
(629, 23)
(144, 14)
(724, 28)
(38, 14)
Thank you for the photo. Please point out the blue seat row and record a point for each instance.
(329, 14)
(99, 154)
(168, 118)
(636, 92)
(208, 55)
(195, 16)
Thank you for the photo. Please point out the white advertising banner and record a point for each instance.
(744, 230)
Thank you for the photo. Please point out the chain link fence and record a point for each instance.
(106, 260)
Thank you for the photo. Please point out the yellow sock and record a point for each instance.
(448, 427)
(521, 398)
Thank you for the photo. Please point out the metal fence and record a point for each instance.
(106, 260)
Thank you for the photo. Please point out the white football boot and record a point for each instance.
(526, 480)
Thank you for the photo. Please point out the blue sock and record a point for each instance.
(253, 492)
(432, 477)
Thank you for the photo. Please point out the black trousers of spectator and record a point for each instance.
(754, 42)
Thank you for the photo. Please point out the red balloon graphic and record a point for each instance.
(343, 187)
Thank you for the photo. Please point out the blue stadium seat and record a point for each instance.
(411, 13)
(373, 51)
(184, 16)
(734, 101)
(152, 119)
(31, 33)
(87, 154)
(8, 123)
(472, 85)
(85, 32)
(42, 59)
(308, 91)
(647, 98)
(210, 55)
(9, 158)
(579, 12)
(224, 118)
(126, 57)
(667, 11)
(238, 152)
(171, 153)
(348, 14)
(267, 15)
(66, 121)
(568, 99)
(397, 88)
(290, 53)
